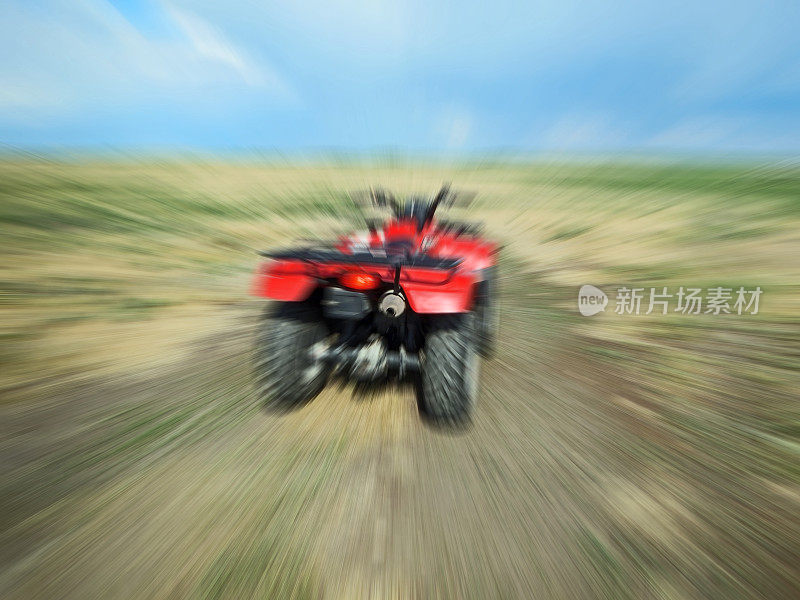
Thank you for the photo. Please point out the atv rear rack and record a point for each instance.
(315, 255)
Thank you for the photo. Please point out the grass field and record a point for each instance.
(617, 456)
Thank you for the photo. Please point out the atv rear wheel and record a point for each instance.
(486, 313)
(450, 370)
(286, 373)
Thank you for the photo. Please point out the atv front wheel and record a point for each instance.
(450, 370)
(286, 373)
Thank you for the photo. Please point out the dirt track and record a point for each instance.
(610, 457)
(181, 485)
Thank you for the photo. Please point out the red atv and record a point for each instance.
(413, 295)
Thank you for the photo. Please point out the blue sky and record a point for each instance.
(413, 75)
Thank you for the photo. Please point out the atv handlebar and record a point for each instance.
(380, 198)
(443, 194)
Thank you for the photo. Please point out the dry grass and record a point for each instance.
(610, 457)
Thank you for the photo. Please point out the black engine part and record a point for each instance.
(338, 303)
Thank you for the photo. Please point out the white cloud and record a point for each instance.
(369, 31)
(211, 44)
(84, 53)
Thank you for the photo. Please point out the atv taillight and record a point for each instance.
(356, 280)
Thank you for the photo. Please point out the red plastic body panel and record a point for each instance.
(454, 296)
(429, 291)
(287, 281)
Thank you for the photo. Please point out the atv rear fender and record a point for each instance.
(429, 291)
(453, 296)
(286, 280)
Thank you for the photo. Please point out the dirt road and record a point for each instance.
(613, 456)
(568, 485)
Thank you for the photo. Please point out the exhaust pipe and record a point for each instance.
(392, 304)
